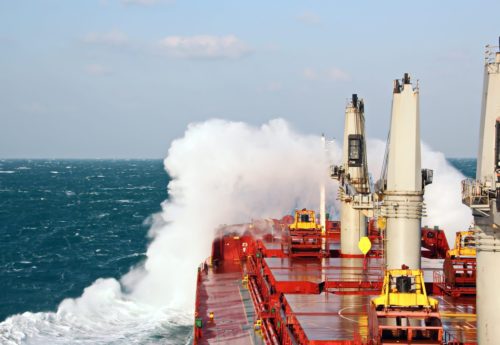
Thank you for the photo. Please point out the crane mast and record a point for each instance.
(403, 183)
(353, 178)
(482, 195)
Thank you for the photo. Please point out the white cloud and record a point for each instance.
(455, 56)
(274, 86)
(146, 2)
(204, 47)
(112, 38)
(337, 74)
(34, 107)
(333, 73)
(6, 40)
(97, 69)
(310, 73)
(309, 18)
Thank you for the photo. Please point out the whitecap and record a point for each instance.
(102, 315)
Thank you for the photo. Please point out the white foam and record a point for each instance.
(222, 173)
(442, 197)
(102, 315)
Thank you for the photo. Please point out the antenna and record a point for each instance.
(397, 87)
(406, 78)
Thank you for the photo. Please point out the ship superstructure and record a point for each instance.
(353, 179)
(376, 276)
(482, 196)
(403, 179)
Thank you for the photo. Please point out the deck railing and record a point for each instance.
(475, 194)
(490, 54)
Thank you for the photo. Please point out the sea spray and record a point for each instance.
(442, 197)
(222, 173)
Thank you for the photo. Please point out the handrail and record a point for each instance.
(490, 53)
(475, 192)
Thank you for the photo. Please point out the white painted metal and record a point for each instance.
(353, 222)
(490, 111)
(487, 281)
(403, 197)
(322, 197)
(488, 235)
(352, 228)
(487, 300)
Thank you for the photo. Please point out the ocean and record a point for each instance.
(66, 223)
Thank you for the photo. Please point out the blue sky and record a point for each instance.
(123, 78)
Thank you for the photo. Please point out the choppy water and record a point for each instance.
(466, 166)
(65, 223)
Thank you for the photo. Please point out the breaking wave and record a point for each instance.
(222, 173)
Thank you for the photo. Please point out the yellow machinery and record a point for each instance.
(465, 245)
(304, 235)
(305, 220)
(459, 266)
(403, 312)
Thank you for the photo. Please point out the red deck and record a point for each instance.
(459, 318)
(220, 291)
(326, 317)
(306, 300)
(341, 275)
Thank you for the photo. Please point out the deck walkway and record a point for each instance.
(221, 292)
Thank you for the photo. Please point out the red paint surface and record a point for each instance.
(219, 293)
(308, 301)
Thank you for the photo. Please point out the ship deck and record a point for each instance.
(323, 300)
(326, 316)
(220, 291)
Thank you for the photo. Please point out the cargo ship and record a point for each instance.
(375, 276)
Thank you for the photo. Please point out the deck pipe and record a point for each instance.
(322, 195)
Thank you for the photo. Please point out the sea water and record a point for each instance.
(66, 223)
